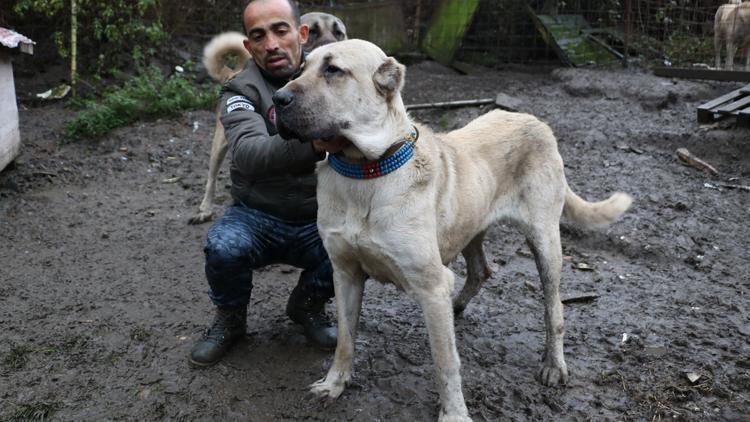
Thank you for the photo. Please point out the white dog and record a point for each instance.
(732, 27)
(400, 202)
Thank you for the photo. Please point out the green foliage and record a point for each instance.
(687, 49)
(680, 48)
(148, 95)
(108, 27)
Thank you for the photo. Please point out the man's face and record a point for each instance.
(274, 39)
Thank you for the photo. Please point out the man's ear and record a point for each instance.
(389, 78)
(304, 33)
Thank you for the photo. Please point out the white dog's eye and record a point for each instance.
(331, 70)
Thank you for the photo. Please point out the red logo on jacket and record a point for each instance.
(271, 115)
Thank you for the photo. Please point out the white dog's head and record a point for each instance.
(348, 89)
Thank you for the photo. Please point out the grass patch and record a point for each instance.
(149, 95)
(67, 345)
(41, 411)
(17, 357)
(139, 334)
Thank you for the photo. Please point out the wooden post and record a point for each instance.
(73, 45)
(417, 23)
(626, 40)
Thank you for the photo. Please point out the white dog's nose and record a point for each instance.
(283, 97)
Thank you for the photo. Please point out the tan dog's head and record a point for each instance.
(348, 89)
(324, 29)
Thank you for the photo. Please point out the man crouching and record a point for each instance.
(273, 218)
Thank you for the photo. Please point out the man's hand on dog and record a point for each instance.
(331, 147)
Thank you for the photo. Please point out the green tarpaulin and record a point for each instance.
(570, 37)
(447, 28)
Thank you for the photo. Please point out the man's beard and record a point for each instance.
(283, 72)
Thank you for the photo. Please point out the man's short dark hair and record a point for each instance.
(292, 5)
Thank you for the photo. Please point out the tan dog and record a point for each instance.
(407, 225)
(324, 29)
(732, 27)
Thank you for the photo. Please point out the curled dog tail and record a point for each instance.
(595, 214)
(217, 50)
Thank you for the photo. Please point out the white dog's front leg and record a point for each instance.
(348, 286)
(436, 305)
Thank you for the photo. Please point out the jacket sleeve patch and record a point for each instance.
(239, 102)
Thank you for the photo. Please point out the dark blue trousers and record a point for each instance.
(244, 239)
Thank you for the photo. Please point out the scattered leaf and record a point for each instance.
(583, 266)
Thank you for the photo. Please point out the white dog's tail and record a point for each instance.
(595, 214)
(217, 50)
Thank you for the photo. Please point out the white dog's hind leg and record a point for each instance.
(545, 244)
(731, 51)
(219, 149)
(348, 286)
(435, 300)
(717, 48)
(477, 272)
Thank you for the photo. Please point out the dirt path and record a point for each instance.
(102, 286)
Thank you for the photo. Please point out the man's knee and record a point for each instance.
(225, 250)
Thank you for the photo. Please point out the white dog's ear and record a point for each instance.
(389, 78)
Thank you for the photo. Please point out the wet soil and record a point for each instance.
(103, 293)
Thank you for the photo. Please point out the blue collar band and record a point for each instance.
(381, 167)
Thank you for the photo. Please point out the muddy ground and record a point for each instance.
(103, 293)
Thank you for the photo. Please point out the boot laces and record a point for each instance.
(224, 321)
(318, 317)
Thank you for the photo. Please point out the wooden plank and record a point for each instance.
(26, 48)
(705, 115)
(710, 74)
(605, 46)
(449, 23)
(722, 100)
(734, 107)
(743, 118)
(10, 138)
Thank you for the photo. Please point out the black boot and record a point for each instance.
(309, 311)
(229, 326)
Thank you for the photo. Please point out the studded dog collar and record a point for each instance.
(372, 169)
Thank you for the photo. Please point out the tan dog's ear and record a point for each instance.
(389, 78)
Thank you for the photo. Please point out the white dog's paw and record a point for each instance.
(201, 217)
(553, 373)
(328, 389)
(453, 418)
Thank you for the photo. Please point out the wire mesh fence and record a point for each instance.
(655, 31)
(502, 31)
